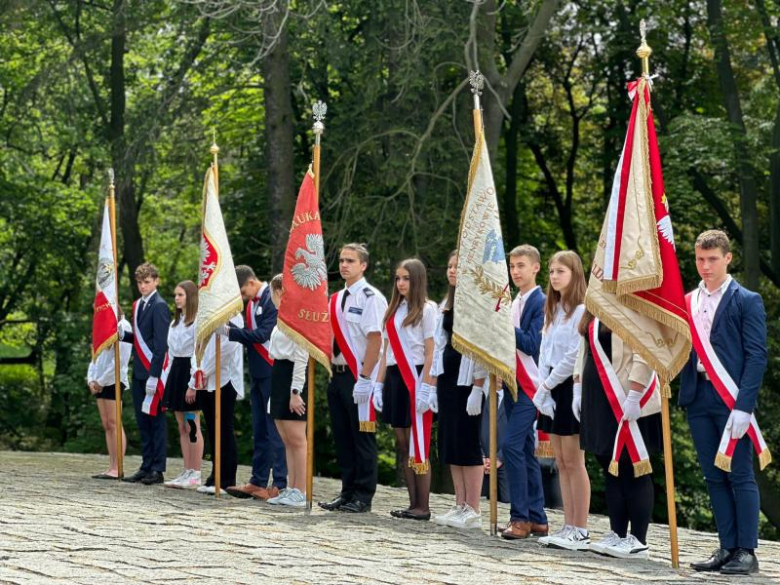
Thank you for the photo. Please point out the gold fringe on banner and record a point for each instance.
(367, 426)
(104, 346)
(305, 344)
(224, 315)
(723, 462)
(642, 468)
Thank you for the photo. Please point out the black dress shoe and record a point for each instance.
(718, 559)
(355, 507)
(333, 505)
(136, 477)
(742, 562)
(153, 478)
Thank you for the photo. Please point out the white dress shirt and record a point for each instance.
(415, 335)
(284, 348)
(708, 306)
(102, 369)
(181, 339)
(560, 343)
(232, 362)
(363, 313)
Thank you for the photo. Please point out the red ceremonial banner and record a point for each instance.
(303, 313)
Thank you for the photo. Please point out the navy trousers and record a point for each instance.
(733, 496)
(153, 431)
(522, 468)
(268, 453)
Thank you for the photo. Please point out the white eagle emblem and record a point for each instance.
(312, 271)
(665, 228)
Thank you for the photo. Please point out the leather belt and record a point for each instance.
(339, 369)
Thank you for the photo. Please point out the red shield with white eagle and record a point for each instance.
(209, 260)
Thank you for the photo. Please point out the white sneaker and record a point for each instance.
(610, 539)
(561, 533)
(628, 548)
(468, 519)
(176, 483)
(192, 481)
(574, 540)
(444, 519)
(295, 498)
(207, 489)
(275, 501)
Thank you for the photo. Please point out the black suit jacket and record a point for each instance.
(153, 324)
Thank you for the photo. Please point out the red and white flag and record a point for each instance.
(219, 296)
(105, 317)
(303, 314)
(635, 286)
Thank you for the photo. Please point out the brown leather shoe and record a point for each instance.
(517, 530)
(244, 491)
(273, 491)
(539, 529)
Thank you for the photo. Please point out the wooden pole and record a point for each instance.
(493, 405)
(218, 364)
(120, 454)
(318, 112)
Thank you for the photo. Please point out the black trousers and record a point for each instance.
(153, 431)
(356, 451)
(629, 498)
(229, 459)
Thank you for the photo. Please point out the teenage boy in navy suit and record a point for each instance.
(151, 320)
(526, 514)
(734, 320)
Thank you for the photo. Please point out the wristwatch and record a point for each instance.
(295, 391)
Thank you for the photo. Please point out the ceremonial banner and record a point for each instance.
(483, 327)
(635, 287)
(105, 317)
(303, 313)
(219, 296)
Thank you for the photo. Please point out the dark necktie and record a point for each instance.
(336, 349)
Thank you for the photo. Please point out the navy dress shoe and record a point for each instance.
(743, 562)
(334, 504)
(153, 478)
(136, 477)
(718, 559)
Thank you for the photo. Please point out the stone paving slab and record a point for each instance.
(59, 526)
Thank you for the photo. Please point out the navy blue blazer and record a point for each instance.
(738, 337)
(265, 317)
(528, 337)
(153, 322)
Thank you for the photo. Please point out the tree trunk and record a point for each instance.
(748, 187)
(512, 233)
(279, 129)
(133, 248)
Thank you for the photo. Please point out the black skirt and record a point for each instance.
(176, 388)
(459, 433)
(108, 393)
(598, 423)
(281, 379)
(396, 406)
(564, 424)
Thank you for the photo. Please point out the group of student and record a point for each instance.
(398, 359)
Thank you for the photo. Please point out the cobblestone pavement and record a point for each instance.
(59, 526)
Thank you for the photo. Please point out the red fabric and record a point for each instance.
(523, 379)
(259, 347)
(305, 310)
(104, 322)
(341, 340)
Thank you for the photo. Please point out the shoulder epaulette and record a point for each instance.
(369, 291)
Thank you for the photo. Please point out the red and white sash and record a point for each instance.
(529, 379)
(725, 387)
(151, 404)
(421, 423)
(628, 435)
(366, 412)
(251, 322)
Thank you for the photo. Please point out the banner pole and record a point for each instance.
(118, 428)
(218, 363)
(493, 405)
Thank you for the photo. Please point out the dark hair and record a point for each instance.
(243, 274)
(191, 304)
(146, 270)
(360, 248)
(449, 302)
(573, 295)
(418, 292)
(714, 239)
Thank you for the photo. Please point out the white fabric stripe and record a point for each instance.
(526, 361)
(418, 431)
(612, 213)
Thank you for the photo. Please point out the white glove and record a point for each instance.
(422, 396)
(576, 401)
(739, 421)
(151, 386)
(120, 331)
(544, 402)
(536, 436)
(361, 393)
(474, 402)
(433, 400)
(222, 330)
(377, 398)
(631, 408)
